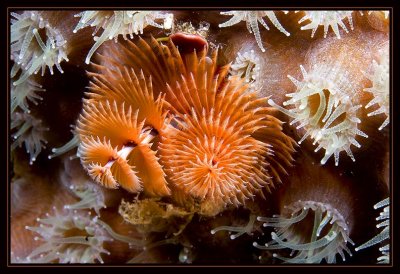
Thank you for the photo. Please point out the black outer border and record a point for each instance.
(195, 4)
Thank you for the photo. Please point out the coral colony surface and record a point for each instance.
(199, 137)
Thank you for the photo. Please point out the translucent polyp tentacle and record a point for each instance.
(240, 230)
(312, 248)
(384, 234)
(252, 18)
(71, 144)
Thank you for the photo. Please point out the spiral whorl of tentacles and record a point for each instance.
(160, 120)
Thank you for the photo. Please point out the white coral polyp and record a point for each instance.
(91, 197)
(240, 230)
(380, 86)
(30, 132)
(328, 238)
(23, 92)
(28, 49)
(252, 18)
(340, 137)
(115, 23)
(384, 235)
(63, 243)
(68, 146)
(333, 124)
(334, 19)
(247, 65)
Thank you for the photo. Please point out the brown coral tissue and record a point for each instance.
(205, 137)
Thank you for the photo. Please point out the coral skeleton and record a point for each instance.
(385, 12)
(333, 122)
(384, 235)
(334, 19)
(115, 23)
(252, 18)
(30, 132)
(35, 45)
(328, 237)
(380, 86)
(23, 198)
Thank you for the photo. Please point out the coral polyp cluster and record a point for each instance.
(75, 233)
(90, 195)
(332, 19)
(115, 23)
(252, 18)
(329, 236)
(379, 78)
(23, 93)
(69, 238)
(384, 235)
(384, 12)
(35, 45)
(324, 109)
(247, 66)
(29, 131)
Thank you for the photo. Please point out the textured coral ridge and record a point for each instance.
(218, 141)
